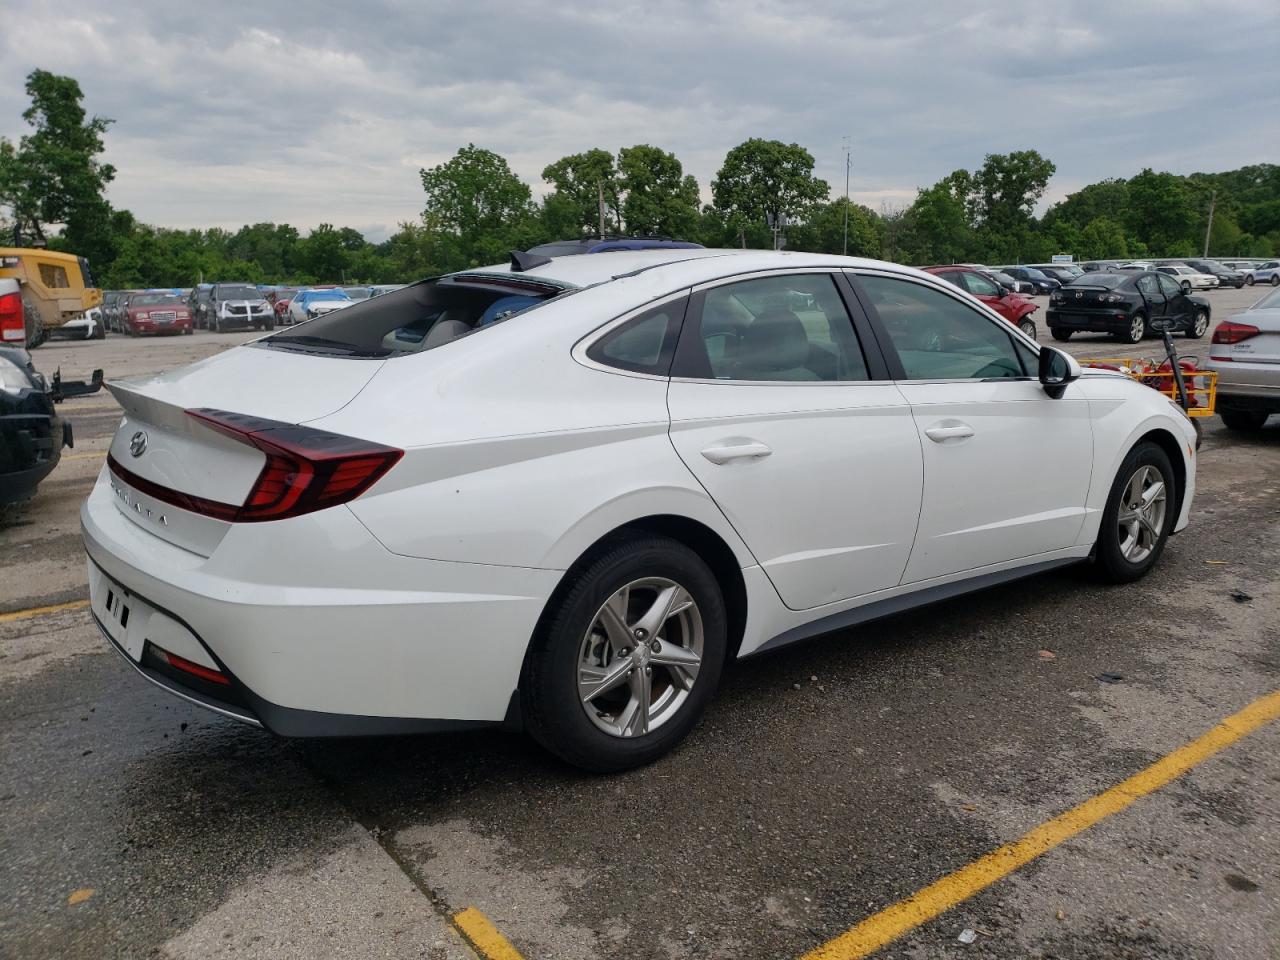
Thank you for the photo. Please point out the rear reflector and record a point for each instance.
(13, 327)
(195, 669)
(1229, 332)
(305, 470)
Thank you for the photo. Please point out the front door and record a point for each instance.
(777, 411)
(1006, 466)
(1157, 302)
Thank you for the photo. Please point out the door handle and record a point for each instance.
(739, 450)
(949, 430)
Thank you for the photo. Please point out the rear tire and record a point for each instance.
(569, 646)
(1060, 334)
(1244, 421)
(1137, 328)
(1126, 552)
(1249, 280)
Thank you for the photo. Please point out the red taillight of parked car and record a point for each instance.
(13, 327)
(1230, 332)
(306, 469)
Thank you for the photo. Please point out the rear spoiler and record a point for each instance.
(60, 389)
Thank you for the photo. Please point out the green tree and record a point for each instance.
(937, 228)
(323, 255)
(660, 198)
(53, 175)
(480, 208)
(1003, 193)
(1162, 214)
(579, 179)
(823, 232)
(1102, 238)
(762, 180)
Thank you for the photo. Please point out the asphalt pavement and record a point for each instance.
(827, 782)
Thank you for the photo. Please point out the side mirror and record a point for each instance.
(1057, 369)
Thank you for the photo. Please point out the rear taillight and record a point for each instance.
(306, 469)
(195, 669)
(1229, 332)
(13, 327)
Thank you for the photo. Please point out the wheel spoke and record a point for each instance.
(682, 663)
(1127, 516)
(1133, 494)
(634, 720)
(593, 680)
(613, 617)
(1152, 493)
(1149, 527)
(668, 602)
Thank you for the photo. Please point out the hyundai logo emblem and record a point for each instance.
(138, 443)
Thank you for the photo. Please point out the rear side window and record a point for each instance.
(782, 328)
(644, 344)
(936, 337)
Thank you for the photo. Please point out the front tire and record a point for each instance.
(1137, 328)
(627, 655)
(1244, 421)
(1249, 279)
(1138, 516)
(1028, 327)
(1060, 334)
(1275, 279)
(1199, 324)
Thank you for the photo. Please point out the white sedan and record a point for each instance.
(559, 495)
(1189, 279)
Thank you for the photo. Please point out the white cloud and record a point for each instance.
(307, 112)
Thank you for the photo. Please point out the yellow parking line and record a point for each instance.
(41, 611)
(905, 915)
(484, 936)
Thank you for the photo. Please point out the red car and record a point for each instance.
(1014, 307)
(156, 313)
(280, 299)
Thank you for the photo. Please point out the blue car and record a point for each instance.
(1038, 279)
(569, 248)
(309, 304)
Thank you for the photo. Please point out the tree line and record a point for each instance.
(476, 209)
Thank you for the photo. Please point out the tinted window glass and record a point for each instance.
(939, 338)
(1168, 286)
(979, 285)
(644, 344)
(1147, 285)
(790, 328)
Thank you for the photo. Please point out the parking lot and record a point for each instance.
(828, 782)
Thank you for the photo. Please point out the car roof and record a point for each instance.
(680, 266)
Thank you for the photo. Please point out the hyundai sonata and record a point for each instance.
(560, 494)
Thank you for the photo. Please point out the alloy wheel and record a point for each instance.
(1200, 324)
(640, 657)
(1137, 327)
(1140, 521)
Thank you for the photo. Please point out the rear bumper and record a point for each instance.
(1096, 323)
(321, 630)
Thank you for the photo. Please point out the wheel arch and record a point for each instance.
(709, 545)
(1170, 444)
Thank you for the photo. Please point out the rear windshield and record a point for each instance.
(415, 318)
(1108, 280)
(239, 293)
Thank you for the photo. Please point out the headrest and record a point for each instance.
(776, 340)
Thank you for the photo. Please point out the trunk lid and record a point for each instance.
(158, 443)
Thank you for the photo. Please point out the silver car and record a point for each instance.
(1245, 352)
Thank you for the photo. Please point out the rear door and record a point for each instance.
(1177, 305)
(781, 408)
(1157, 303)
(1006, 467)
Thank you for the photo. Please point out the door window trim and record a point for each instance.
(579, 350)
(878, 372)
(890, 352)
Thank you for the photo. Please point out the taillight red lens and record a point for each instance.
(13, 325)
(1229, 332)
(195, 669)
(305, 470)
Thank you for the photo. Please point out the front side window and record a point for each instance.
(785, 328)
(937, 337)
(1147, 285)
(644, 344)
(980, 286)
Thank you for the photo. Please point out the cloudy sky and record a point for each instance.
(229, 112)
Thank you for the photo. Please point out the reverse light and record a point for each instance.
(1231, 332)
(306, 469)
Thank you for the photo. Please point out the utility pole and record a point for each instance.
(848, 163)
(600, 188)
(1213, 196)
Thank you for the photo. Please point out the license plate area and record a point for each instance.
(122, 614)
